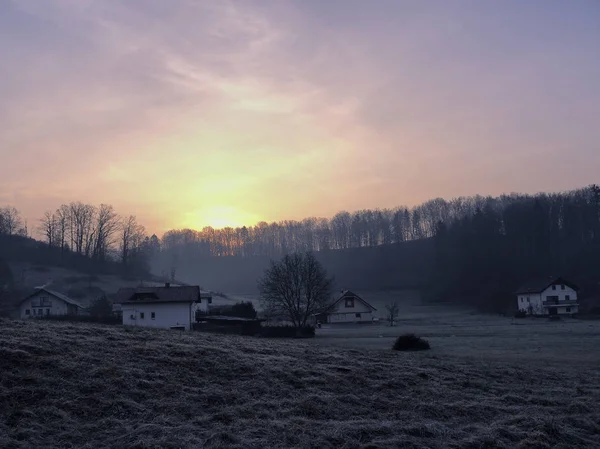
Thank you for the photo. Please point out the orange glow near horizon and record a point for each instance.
(218, 217)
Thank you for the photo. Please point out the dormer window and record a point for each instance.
(562, 287)
(554, 287)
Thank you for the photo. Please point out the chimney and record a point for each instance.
(167, 284)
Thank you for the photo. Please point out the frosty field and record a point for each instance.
(485, 383)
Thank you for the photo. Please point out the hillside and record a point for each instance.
(395, 266)
(80, 286)
(65, 385)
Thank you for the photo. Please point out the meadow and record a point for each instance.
(84, 386)
(462, 332)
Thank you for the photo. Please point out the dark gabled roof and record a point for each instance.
(186, 293)
(349, 294)
(539, 285)
(56, 294)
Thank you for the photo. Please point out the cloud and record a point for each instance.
(275, 105)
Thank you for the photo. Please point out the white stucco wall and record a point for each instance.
(166, 315)
(343, 314)
(350, 317)
(57, 306)
(530, 303)
(561, 293)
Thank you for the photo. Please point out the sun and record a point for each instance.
(219, 217)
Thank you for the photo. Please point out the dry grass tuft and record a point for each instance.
(87, 386)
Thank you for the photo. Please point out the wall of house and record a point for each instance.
(350, 317)
(166, 315)
(561, 293)
(343, 314)
(57, 306)
(531, 303)
(203, 306)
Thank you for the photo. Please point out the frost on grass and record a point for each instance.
(85, 386)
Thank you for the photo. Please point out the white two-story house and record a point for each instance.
(44, 302)
(348, 308)
(554, 296)
(169, 307)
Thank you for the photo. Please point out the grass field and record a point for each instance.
(82, 386)
(461, 332)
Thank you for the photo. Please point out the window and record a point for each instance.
(567, 297)
(358, 315)
(27, 311)
(350, 302)
(141, 315)
(568, 309)
(562, 286)
(40, 311)
(554, 287)
(153, 315)
(528, 299)
(47, 311)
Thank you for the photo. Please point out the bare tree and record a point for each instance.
(393, 310)
(10, 221)
(48, 228)
(106, 225)
(62, 226)
(80, 226)
(296, 288)
(131, 239)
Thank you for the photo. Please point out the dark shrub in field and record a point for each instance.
(410, 342)
(287, 332)
(520, 314)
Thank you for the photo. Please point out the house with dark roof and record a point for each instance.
(548, 296)
(170, 307)
(348, 308)
(45, 302)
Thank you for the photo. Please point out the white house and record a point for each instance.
(170, 307)
(554, 296)
(47, 302)
(348, 308)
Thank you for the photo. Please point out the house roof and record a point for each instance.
(349, 294)
(186, 293)
(541, 284)
(56, 294)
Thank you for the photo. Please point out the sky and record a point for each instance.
(192, 113)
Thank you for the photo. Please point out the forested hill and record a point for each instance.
(476, 249)
(394, 266)
(483, 257)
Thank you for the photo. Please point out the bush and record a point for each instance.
(242, 310)
(287, 332)
(410, 342)
(520, 314)
(102, 307)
